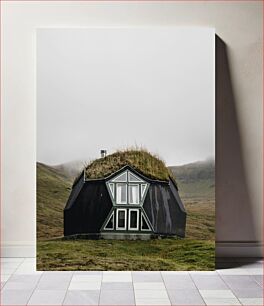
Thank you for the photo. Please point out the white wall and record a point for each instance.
(239, 108)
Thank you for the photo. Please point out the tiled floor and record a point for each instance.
(239, 282)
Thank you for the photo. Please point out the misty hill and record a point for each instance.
(70, 169)
(196, 179)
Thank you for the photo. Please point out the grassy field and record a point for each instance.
(195, 252)
(158, 254)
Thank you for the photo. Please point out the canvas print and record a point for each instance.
(125, 149)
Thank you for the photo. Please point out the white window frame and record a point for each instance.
(129, 216)
(117, 212)
(133, 203)
(112, 193)
(149, 229)
(117, 180)
(110, 229)
(120, 203)
(138, 180)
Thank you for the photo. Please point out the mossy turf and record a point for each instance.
(114, 255)
(141, 160)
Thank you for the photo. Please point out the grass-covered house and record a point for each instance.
(129, 194)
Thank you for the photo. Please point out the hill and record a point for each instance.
(70, 169)
(196, 180)
(196, 185)
(53, 189)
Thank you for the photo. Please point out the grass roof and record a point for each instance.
(139, 159)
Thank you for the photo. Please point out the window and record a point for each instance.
(121, 193)
(133, 193)
(110, 223)
(133, 219)
(144, 224)
(127, 188)
(143, 190)
(121, 219)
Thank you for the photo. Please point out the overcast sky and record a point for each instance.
(111, 88)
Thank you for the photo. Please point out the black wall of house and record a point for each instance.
(88, 210)
(165, 212)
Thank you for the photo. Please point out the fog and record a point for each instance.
(113, 88)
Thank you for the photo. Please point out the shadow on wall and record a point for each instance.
(234, 215)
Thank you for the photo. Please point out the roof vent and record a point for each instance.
(103, 153)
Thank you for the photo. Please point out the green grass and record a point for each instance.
(53, 190)
(139, 159)
(158, 254)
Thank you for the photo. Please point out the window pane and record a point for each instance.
(121, 178)
(110, 223)
(133, 194)
(144, 225)
(111, 187)
(121, 193)
(143, 190)
(121, 218)
(133, 219)
(133, 178)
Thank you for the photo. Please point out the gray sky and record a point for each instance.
(111, 88)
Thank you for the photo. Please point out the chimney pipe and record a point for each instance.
(103, 153)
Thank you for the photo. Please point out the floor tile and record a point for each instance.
(251, 301)
(248, 293)
(222, 301)
(149, 286)
(86, 278)
(234, 271)
(146, 277)
(151, 294)
(205, 273)
(15, 297)
(88, 272)
(240, 282)
(117, 297)
(2, 284)
(174, 272)
(185, 297)
(31, 278)
(217, 294)
(20, 285)
(47, 297)
(209, 282)
(258, 279)
(55, 281)
(27, 268)
(85, 286)
(254, 271)
(117, 286)
(117, 277)
(178, 282)
(88, 297)
(158, 302)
